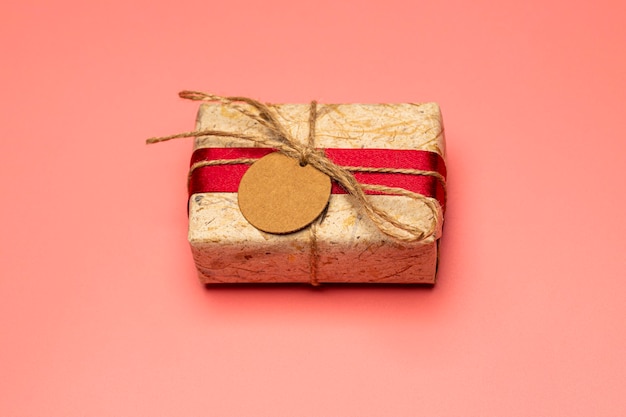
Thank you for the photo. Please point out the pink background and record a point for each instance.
(102, 314)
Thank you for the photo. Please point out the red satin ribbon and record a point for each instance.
(226, 178)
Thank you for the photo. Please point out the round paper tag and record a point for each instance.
(277, 195)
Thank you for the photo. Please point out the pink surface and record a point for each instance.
(102, 313)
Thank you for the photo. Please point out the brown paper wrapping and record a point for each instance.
(349, 248)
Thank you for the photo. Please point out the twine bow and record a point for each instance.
(279, 138)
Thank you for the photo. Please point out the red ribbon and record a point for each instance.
(226, 178)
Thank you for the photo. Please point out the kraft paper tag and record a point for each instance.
(277, 195)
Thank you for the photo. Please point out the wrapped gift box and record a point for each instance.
(347, 246)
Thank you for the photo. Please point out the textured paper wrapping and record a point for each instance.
(227, 249)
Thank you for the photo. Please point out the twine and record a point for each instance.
(313, 253)
(279, 138)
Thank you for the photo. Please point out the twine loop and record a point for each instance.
(278, 137)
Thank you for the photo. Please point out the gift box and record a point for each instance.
(393, 153)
